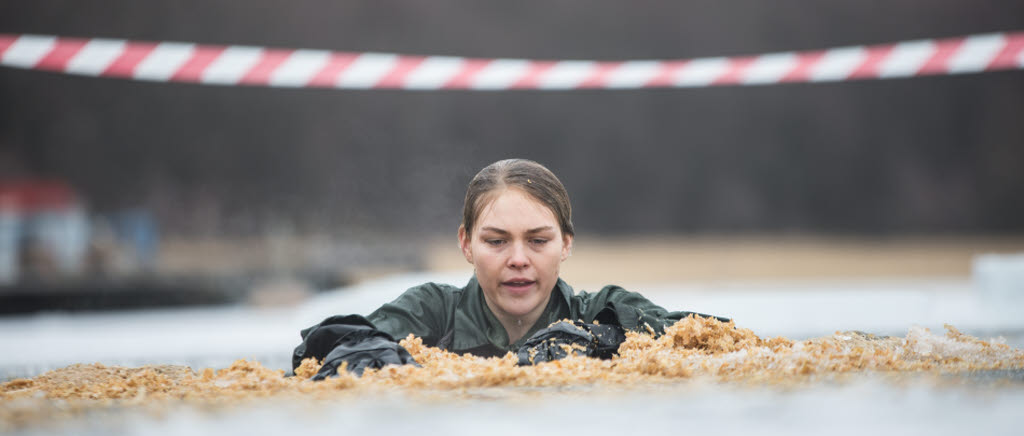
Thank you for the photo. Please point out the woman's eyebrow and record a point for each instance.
(506, 232)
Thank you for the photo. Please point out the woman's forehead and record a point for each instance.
(514, 210)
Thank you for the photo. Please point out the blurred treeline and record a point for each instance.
(937, 155)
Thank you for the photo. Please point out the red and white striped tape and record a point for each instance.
(258, 66)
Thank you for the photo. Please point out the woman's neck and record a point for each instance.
(517, 326)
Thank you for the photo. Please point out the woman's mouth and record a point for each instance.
(518, 285)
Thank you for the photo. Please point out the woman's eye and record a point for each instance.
(539, 241)
(495, 242)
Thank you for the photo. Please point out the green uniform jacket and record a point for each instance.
(459, 320)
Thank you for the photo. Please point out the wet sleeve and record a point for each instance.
(634, 311)
(422, 310)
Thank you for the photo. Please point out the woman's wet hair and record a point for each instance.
(526, 175)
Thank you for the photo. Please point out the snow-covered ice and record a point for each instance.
(214, 337)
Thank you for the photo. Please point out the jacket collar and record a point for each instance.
(474, 315)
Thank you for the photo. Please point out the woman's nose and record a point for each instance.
(518, 259)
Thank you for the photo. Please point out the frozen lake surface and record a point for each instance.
(214, 337)
(861, 408)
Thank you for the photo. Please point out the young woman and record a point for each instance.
(516, 231)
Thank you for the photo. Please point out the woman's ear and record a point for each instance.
(467, 251)
(566, 246)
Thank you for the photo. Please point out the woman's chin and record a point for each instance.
(519, 307)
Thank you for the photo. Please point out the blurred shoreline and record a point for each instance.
(674, 258)
(287, 269)
(653, 257)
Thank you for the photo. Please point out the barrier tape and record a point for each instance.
(304, 68)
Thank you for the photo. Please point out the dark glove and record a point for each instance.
(370, 352)
(350, 339)
(637, 319)
(556, 341)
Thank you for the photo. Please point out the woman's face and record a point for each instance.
(516, 247)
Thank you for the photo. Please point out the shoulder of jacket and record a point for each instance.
(610, 293)
(433, 290)
(605, 291)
